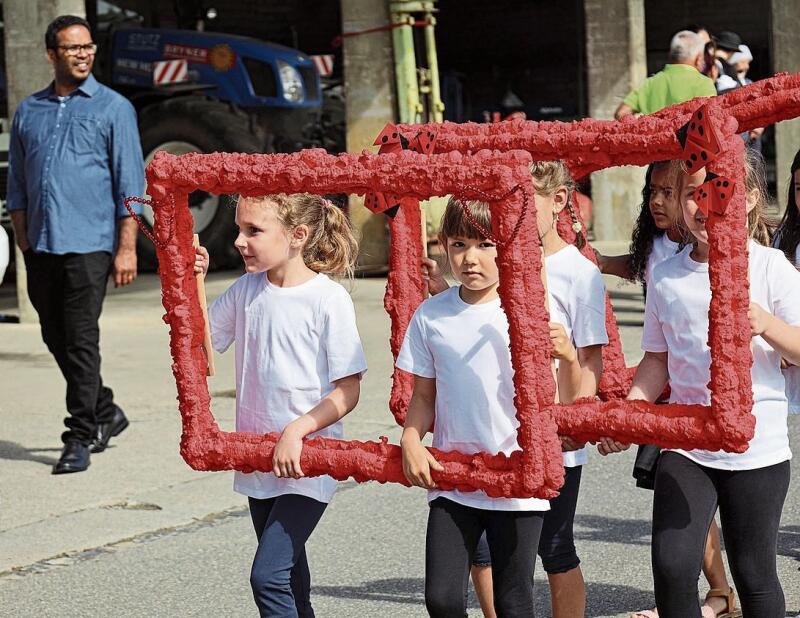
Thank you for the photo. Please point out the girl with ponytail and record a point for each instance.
(299, 364)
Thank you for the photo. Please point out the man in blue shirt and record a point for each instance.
(74, 156)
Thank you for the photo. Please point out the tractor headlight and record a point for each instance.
(291, 83)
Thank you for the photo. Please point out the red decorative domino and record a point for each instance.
(389, 135)
(701, 141)
(714, 195)
(423, 142)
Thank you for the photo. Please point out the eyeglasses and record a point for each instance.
(74, 50)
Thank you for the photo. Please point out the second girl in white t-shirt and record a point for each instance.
(577, 315)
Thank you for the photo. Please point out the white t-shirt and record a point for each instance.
(466, 348)
(663, 248)
(291, 345)
(577, 297)
(791, 374)
(676, 321)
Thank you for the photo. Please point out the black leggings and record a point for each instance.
(750, 503)
(557, 541)
(453, 533)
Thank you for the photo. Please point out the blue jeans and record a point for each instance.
(280, 578)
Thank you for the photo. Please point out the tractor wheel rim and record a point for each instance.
(202, 205)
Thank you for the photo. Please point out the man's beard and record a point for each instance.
(66, 78)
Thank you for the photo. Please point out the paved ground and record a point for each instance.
(140, 534)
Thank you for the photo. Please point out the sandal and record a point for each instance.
(730, 610)
(645, 613)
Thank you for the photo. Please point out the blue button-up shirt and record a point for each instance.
(71, 162)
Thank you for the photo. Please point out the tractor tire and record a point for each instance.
(191, 124)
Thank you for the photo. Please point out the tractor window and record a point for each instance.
(112, 14)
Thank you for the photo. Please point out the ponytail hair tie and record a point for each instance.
(327, 204)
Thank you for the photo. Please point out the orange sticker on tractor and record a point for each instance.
(220, 57)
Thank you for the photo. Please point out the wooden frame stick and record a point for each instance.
(423, 219)
(553, 369)
(201, 297)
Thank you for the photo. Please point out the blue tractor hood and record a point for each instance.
(242, 70)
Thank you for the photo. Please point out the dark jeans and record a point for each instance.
(67, 291)
(280, 578)
(750, 504)
(453, 533)
(557, 541)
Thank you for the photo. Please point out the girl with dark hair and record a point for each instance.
(787, 239)
(657, 233)
(576, 302)
(787, 236)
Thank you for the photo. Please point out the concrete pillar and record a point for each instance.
(785, 52)
(27, 71)
(370, 96)
(616, 62)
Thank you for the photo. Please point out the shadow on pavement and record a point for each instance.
(637, 532)
(789, 542)
(17, 452)
(395, 590)
(612, 530)
(632, 323)
(410, 591)
(611, 599)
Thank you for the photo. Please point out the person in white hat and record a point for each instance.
(740, 61)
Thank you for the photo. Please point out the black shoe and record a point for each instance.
(106, 431)
(74, 458)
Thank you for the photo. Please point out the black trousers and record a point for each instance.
(453, 533)
(557, 541)
(67, 292)
(750, 504)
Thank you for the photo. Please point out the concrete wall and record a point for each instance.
(785, 40)
(616, 63)
(369, 88)
(27, 70)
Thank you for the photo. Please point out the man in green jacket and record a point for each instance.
(680, 80)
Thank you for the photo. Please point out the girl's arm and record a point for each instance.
(417, 460)
(578, 370)
(783, 338)
(568, 376)
(221, 312)
(651, 377)
(333, 407)
(618, 265)
(591, 362)
(579, 377)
